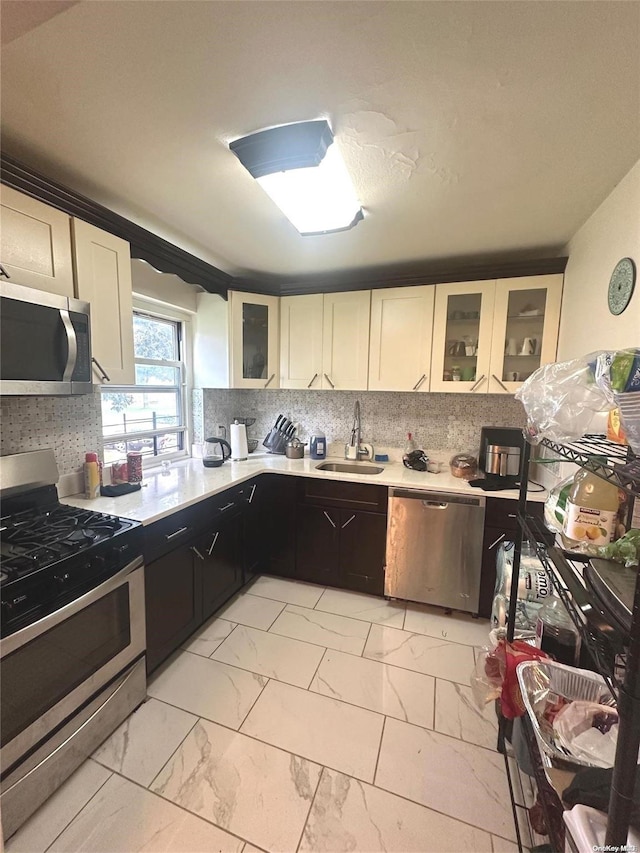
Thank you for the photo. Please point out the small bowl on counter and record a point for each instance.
(294, 449)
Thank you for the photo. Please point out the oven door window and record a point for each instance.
(36, 676)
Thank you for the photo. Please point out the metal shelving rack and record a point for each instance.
(617, 657)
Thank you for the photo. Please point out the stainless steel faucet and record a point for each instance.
(354, 449)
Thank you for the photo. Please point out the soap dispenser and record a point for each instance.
(318, 445)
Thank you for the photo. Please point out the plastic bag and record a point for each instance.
(588, 731)
(561, 399)
(555, 506)
(494, 675)
(486, 678)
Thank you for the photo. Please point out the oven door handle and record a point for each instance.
(30, 632)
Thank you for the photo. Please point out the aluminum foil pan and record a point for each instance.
(543, 682)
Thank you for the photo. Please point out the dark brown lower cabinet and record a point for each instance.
(218, 558)
(363, 540)
(500, 524)
(173, 608)
(280, 527)
(194, 563)
(318, 544)
(255, 532)
(339, 547)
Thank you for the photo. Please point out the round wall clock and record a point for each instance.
(621, 284)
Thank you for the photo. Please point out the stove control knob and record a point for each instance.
(120, 550)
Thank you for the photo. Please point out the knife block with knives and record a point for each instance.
(282, 432)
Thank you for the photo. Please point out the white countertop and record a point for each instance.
(188, 482)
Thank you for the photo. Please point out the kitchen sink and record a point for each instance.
(350, 467)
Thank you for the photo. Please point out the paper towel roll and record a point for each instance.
(239, 449)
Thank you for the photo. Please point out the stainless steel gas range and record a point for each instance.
(72, 647)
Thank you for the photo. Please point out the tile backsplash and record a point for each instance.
(70, 425)
(438, 421)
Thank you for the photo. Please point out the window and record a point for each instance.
(149, 416)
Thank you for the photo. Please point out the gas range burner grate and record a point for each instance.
(32, 539)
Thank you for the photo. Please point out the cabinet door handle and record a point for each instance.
(104, 376)
(478, 383)
(227, 506)
(504, 387)
(269, 380)
(348, 521)
(196, 552)
(329, 381)
(171, 536)
(419, 382)
(213, 542)
(253, 491)
(499, 539)
(329, 519)
(315, 376)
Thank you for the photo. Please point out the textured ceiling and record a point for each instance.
(470, 128)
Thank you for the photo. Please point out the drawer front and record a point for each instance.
(171, 532)
(345, 495)
(501, 512)
(223, 504)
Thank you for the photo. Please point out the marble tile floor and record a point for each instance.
(299, 718)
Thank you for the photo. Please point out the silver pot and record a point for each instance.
(294, 449)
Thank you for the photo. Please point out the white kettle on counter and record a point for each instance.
(238, 440)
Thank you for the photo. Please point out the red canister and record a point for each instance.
(119, 473)
(134, 465)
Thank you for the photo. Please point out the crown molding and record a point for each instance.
(167, 257)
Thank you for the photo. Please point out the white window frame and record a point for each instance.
(163, 312)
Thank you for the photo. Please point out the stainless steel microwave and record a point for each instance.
(45, 342)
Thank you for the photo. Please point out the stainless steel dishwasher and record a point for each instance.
(434, 548)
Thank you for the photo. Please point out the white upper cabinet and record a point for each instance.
(236, 341)
(103, 278)
(462, 337)
(525, 329)
(35, 243)
(400, 345)
(254, 340)
(301, 341)
(345, 340)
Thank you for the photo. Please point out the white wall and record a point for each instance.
(163, 287)
(612, 232)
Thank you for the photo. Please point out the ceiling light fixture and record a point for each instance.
(304, 174)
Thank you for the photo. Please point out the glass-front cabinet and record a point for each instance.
(462, 325)
(525, 329)
(489, 336)
(254, 340)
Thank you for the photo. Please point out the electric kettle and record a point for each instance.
(214, 452)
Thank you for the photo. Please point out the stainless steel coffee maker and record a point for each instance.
(500, 457)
